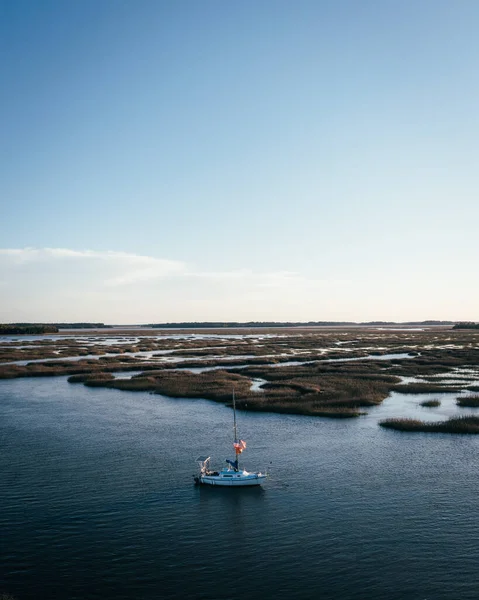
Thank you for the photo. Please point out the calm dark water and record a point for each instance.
(97, 501)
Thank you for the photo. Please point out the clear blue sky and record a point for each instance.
(251, 160)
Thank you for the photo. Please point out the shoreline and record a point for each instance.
(322, 371)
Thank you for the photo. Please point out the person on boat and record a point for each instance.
(233, 463)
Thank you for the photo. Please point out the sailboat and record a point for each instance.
(232, 475)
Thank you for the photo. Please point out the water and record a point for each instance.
(97, 501)
(82, 335)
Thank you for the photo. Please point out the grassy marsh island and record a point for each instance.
(331, 372)
(468, 401)
(431, 403)
(290, 397)
(466, 424)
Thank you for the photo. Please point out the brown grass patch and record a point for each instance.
(422, 388)
(430, 403)
(468, 424)
(468, 401)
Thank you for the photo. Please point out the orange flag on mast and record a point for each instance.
(239, 446)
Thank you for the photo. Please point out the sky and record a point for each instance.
(258, 160)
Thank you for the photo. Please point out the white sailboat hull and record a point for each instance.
(232, 479)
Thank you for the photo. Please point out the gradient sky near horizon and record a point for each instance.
(254, 160)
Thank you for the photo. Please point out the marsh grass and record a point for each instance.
(334, 386)
(467, 424)
(288, 397)
(430, 403)
(305, 407)
(317, 387)
(213, 385)
(83, 378)
(58, 368)
(423, 388)
(233, 362)
(468, 401)
(143, 384)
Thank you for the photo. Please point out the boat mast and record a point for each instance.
(234, 418)
(234, 430)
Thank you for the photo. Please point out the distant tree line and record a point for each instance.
(251, 324)
(82, 325)
(39, 328)
(233, 324)
(26, 328)
(466, 325)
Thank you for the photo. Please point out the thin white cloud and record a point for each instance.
(123, 268)
(120, 268)
(35, 254)
(235, 274)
